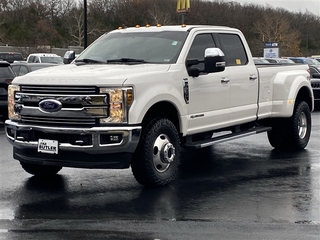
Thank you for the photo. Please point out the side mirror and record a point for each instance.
(68, 57)
(193, 71)
(214, 60)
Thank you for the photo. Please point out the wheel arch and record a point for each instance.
(163, 109)
(304, 94)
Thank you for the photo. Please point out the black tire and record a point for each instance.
(156, 159)
(40, 170)
(294, 132)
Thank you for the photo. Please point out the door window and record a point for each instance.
(23, 70)
(200, 43)
(233, 49)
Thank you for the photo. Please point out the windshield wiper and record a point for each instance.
(88, 60)
(126, 60)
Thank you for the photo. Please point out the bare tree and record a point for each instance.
(59, 23)
(275, 27)
(76, 26)
(161, 12)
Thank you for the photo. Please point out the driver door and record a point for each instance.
(208, 93)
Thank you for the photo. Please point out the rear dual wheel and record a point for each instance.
(294, 132)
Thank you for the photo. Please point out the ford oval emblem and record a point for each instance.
(50, 105)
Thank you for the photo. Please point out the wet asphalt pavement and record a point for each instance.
(242, 189)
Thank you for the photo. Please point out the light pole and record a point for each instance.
(307, 36)
(85, 41)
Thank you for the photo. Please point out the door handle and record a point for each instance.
(225, 80)
(253, 77)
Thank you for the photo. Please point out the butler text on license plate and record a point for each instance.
(48, 146)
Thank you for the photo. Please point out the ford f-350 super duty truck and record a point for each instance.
(137, 95)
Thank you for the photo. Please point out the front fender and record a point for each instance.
(145, 98)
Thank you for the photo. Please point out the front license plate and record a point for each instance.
(48, 146)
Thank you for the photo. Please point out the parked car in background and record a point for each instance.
(305, 60)
(316, 57)
(280, 60)
(22, 68)
(314, 71)
(6, 77)
(259, 60)
(315, 83)
(11, 56)
(44, 58)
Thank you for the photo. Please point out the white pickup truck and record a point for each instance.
(135, 96)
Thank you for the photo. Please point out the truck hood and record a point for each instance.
(90, 74)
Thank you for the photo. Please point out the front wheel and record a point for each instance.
(294, 132)
(40, 170)
(155, 161)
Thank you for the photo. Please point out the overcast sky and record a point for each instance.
(303, 6)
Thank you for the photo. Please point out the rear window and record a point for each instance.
(11, 57)
(6, 72)
(57, 60)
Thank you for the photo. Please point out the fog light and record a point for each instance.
(114, 138)
(110, 139)
(10, 132)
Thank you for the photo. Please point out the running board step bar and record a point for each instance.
(226, 137)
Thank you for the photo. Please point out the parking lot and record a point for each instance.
(239, 189)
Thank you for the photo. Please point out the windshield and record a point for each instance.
(138, 47)
(286, 61)
(312, 62)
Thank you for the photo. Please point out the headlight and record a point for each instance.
(12, 89)
(119, 100)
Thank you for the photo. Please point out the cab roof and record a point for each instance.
(182, 28)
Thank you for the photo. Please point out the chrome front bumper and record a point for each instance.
(123, 139)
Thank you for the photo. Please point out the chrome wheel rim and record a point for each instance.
(302, 125)
(163, 153)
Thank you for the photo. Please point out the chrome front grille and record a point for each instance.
(58, 121)
(81, 105)
(68, 90)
